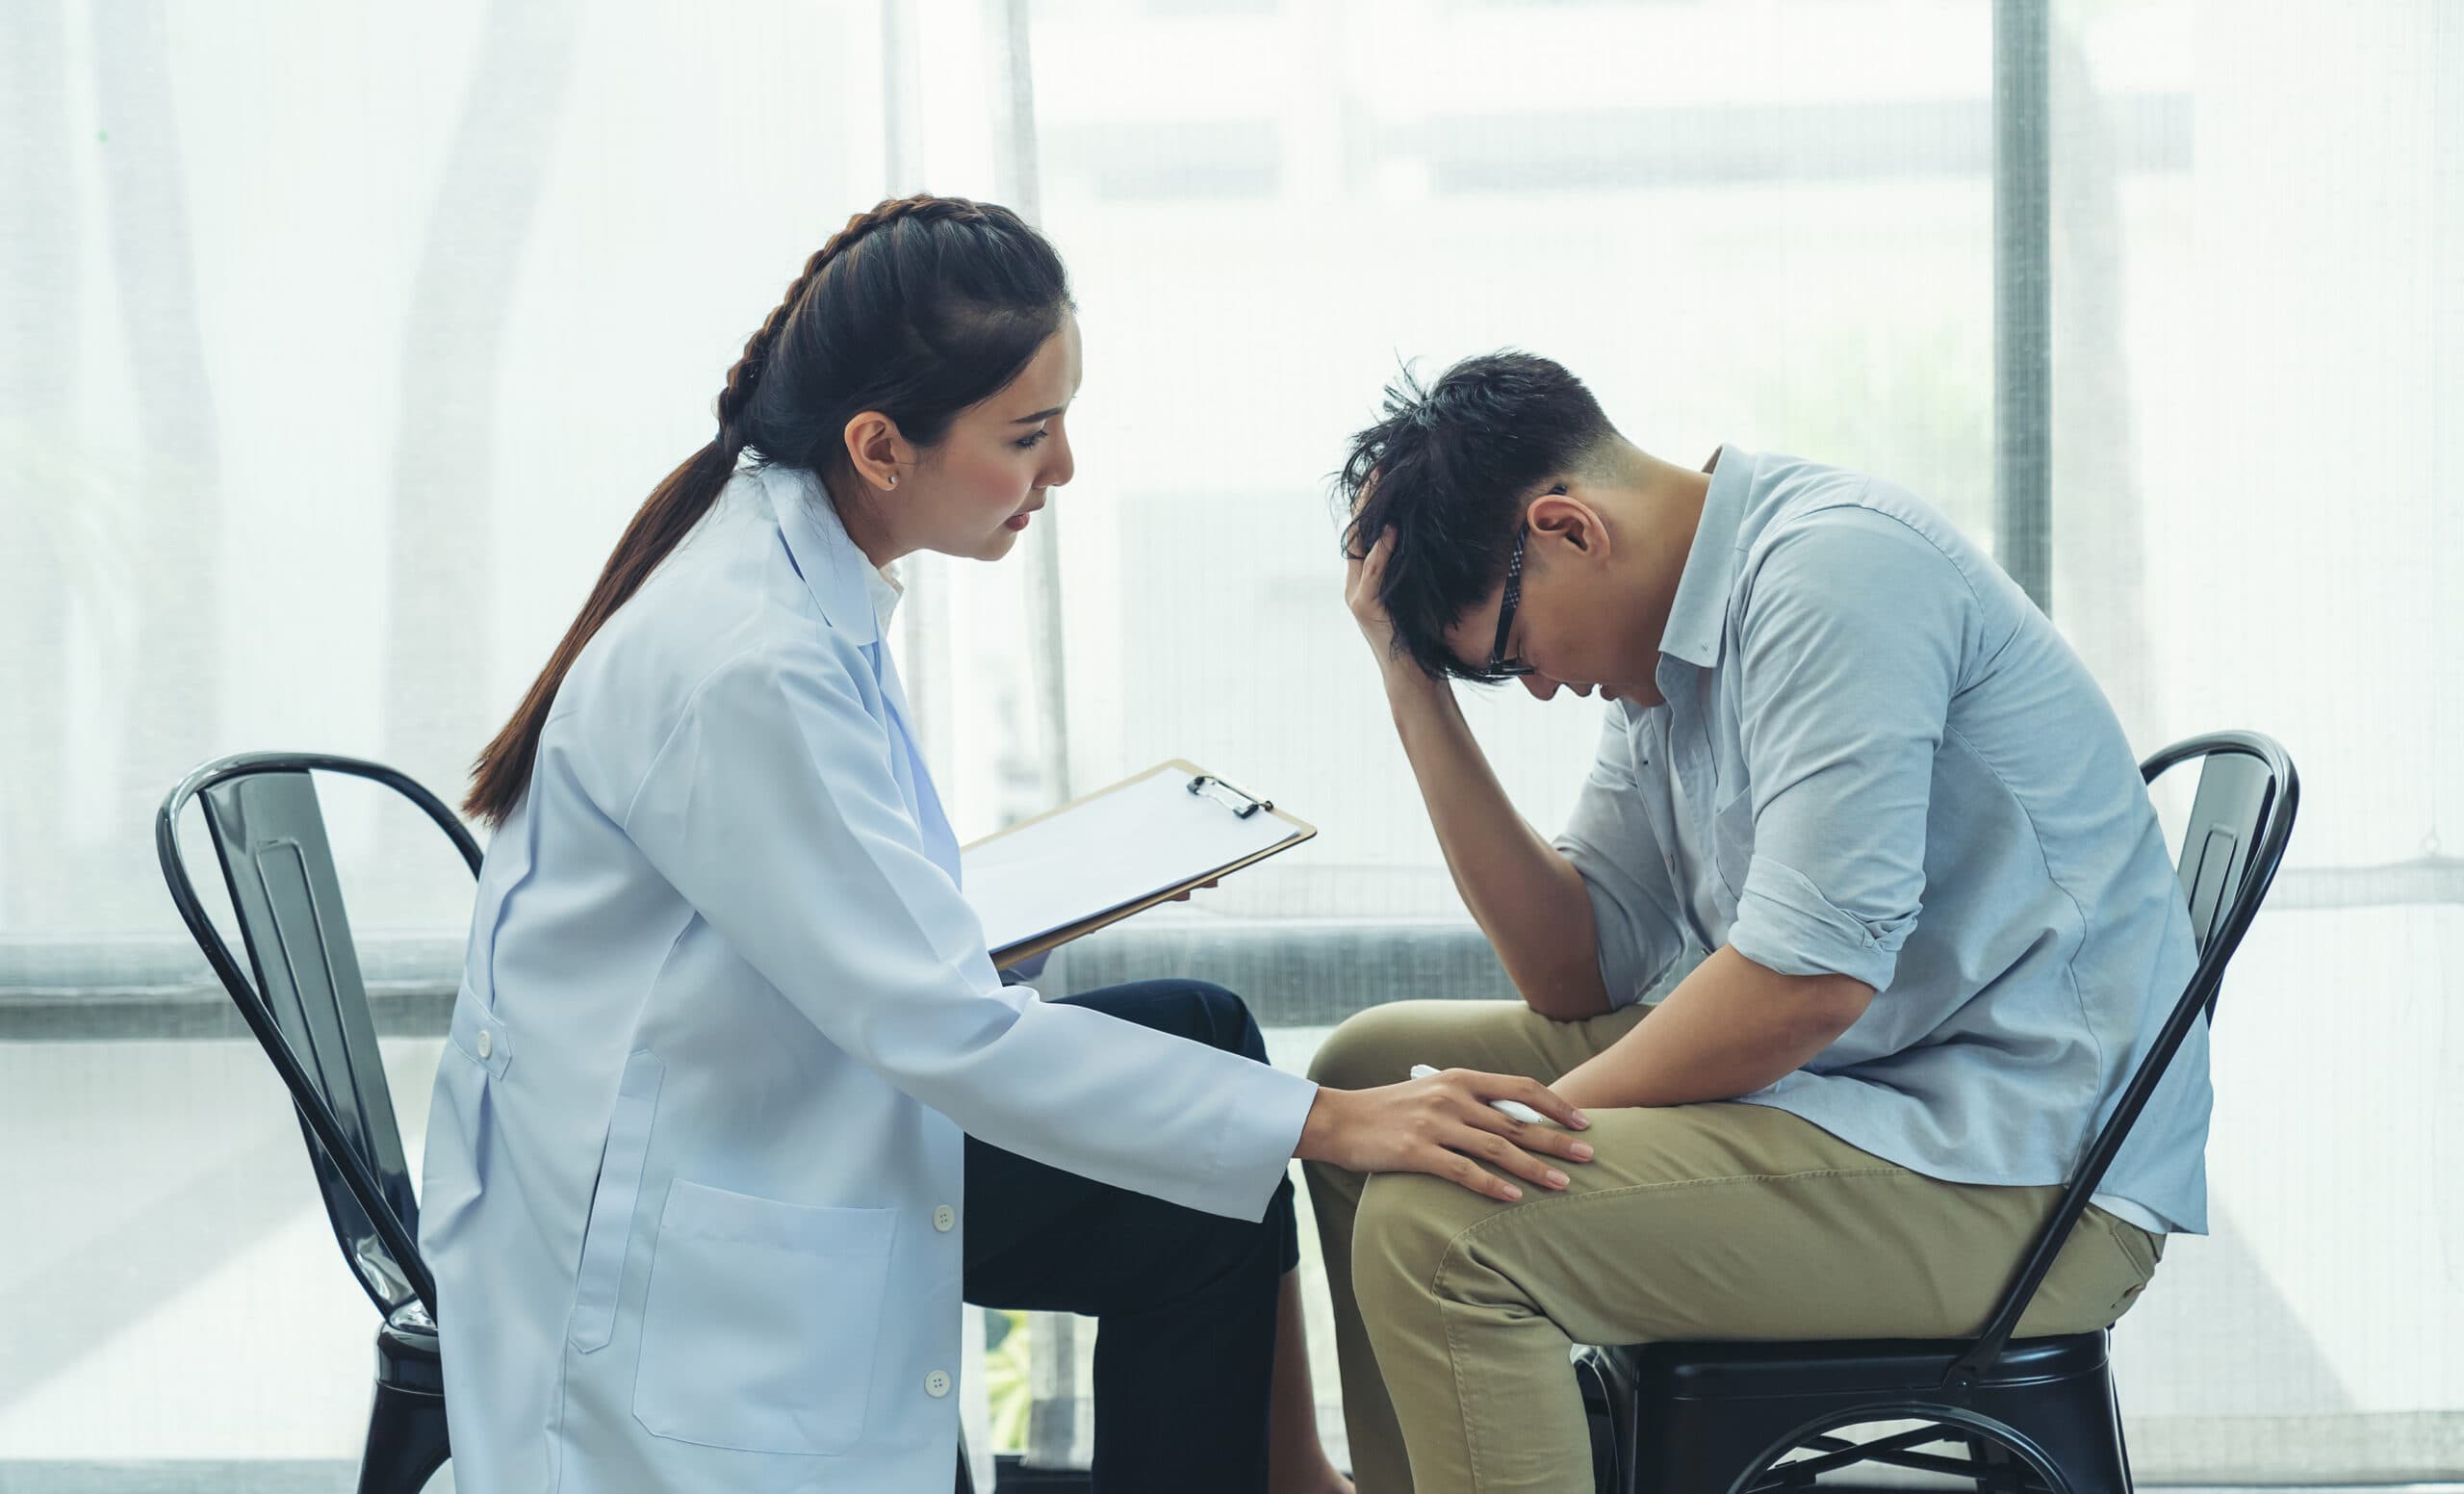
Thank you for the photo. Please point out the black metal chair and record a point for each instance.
(2036, 1415)
(308, 1007)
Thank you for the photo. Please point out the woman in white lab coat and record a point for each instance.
(735, 1108)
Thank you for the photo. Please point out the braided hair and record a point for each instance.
(919, 308)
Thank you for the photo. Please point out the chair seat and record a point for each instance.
(406, 1351)
(1701, 1418)
(1879, 1366)
(407, 1436)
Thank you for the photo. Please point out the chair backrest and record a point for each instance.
(2240, 823)
(2236, 792)
(307, 1003)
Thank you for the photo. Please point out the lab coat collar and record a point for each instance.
(854, 596)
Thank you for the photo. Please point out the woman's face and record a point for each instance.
(976, 492)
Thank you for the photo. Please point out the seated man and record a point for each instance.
(1850, 769)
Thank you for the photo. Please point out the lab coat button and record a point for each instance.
(936, 1384)
(487, 1044)
(945, 1218)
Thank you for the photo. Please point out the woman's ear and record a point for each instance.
(876, 453)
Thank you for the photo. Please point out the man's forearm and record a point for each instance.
(1730, 1028)
(1527, 897)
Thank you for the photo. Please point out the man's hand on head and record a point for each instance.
(1364, 578)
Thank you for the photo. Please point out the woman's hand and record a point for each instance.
(1183, 897)
(1440, 1125)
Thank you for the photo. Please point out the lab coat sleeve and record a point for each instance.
(773, 809)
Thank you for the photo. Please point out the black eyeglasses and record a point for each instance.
(1499, 666)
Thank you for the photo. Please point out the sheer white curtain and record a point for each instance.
(1774, 223)
(2258, 521)
(343, 344)
(336, 347)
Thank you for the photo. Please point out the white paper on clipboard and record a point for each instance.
(1107, 852)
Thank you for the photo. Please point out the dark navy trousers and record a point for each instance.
(1185, 1302)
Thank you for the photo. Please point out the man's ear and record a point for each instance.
(875, 451)
(1570, 521)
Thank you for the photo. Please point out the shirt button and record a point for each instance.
(944, 1219)
(486, 1042)
(936, 1384)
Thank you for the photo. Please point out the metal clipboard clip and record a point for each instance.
(1241, 805)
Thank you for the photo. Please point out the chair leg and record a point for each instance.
(2075, 1426)
(2123, 1442)
(406, 1441)
(1689, 1447)
(1608, 1409)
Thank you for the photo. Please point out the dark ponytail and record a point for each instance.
(919, 309)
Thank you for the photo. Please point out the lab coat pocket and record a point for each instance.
(456, 1156)
(761, 1323)
(609, 1231)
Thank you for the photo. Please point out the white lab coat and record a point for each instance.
(692, 1176)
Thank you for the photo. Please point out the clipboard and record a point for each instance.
(1201, 786)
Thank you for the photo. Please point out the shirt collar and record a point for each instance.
(1698, 614)
(887, 588)
(854, 597)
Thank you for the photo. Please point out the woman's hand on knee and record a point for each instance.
(1444, 1125)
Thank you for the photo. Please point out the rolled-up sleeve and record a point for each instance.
(1609, 840)
(773, 809)
(1851, 636)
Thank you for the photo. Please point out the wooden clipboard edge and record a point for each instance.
(1045, 943)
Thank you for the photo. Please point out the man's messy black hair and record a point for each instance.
(1455, 464)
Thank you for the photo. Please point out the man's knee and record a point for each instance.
(1370, 1048)
(1407, 1224)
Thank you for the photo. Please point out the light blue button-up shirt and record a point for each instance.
(1879, 759)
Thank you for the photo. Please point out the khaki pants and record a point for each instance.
(1454, 1313)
